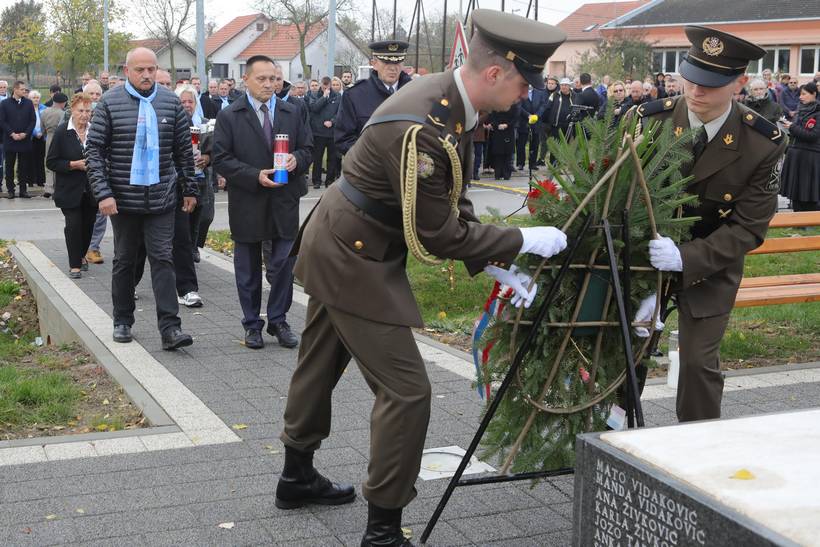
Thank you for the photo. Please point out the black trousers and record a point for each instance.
(247, 262)
(320, 145)
(478, 151)
(502, 165)
(183, 253)
(798, 206)
(199, 232)
(524, 136)
(38, 162)
(79, 223)
(156, 232)
(22, 160)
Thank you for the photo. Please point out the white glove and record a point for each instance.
(543, 240)
(517, 281)
(645, 312)
(665, 255)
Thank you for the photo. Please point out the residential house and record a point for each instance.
(789, 30)
(232, 45)
(583, 33)
(184, 56)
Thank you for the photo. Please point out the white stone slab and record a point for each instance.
(442, 463)
(22, 454)
(122, 445)
(166, 441)
(68, 451)
(782, 451)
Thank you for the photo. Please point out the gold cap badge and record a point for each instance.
(395, 47)
(727, 197)
(712, 46)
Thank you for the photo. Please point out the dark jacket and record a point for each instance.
(17, 118)
(295, 101)
(217, 102)
(789, 100)
(590, 98)
(558, 114)
(110, 147)
(323, 109)
(70, 186)
(766, 107)
(801, 168)
(209, 108)
(502, 141)
(358, 104)
(257, 213)
(805, 129)
(537, 105)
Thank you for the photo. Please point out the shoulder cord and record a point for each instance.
(409, 189)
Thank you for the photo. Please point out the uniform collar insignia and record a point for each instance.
(728, 139)
(678, 131)
(458, 128)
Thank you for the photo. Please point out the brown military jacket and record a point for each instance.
(351, 261)
(736, 180)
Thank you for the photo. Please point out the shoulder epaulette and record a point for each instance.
(440, 113)
(763, 126)
(655, 107)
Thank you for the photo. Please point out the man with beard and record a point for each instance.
(359, 102)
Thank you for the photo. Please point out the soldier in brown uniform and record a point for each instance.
(402, 187)
(737, 160)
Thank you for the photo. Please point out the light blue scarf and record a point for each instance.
(145, 162)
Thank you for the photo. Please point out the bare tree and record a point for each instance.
(167, 20)
(303, 14)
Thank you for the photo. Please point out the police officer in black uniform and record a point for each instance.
(359, 102)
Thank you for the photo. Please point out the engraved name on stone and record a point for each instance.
(629, 513)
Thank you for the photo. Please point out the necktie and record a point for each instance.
(267, 128)
(701, 140)
(390, 90)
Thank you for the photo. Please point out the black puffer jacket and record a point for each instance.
(110, 147)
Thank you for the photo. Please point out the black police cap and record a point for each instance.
(716, 58)
(389, 51)
(526, 43)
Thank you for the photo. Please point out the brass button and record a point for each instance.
(750, 117)
(358, 245)
(727, 197)
(668, 103)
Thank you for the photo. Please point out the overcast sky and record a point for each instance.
(221, 11)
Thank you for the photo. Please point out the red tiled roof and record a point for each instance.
(594, 14)
(280, 42)
(224, 34)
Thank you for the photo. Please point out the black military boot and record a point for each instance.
(384, 528)
(300, 484)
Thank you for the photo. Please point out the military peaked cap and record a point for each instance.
(716, 57)
(389, 51)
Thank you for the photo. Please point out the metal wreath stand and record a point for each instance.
(619, 286)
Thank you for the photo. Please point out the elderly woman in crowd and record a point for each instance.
(38, 141)
(760, 100)
(72, 193)
(801, 168)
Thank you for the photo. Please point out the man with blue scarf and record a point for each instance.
(138, 151)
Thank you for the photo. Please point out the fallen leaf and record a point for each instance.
(743, 475)
(81, 511)
(226, 525)
(102, 427)
(106, 402)
(240, 426)
(407, 533)
(26, 530)
(51, 517)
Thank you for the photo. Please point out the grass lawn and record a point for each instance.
(49, 390)
(760, 336)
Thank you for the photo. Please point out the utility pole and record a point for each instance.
(395, 16)
(200, 42)
(105, 35)
(331, 39)
(444, 38)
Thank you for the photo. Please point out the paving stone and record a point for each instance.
(296, 527)
(243, 533)
(482, 530)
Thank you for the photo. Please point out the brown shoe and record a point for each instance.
(95, 257)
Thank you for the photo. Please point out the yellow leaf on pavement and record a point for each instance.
(240, 426)
(743, 475)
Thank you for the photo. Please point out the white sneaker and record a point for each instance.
(191, 300)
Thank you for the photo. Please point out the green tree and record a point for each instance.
(22, 26)
(622, 55)
(77, 40)
(167, 20)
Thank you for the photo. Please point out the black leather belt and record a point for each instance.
(374, 208)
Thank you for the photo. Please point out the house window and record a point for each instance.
(219, 70)
(667, 60)
(776, 59)
(260, 26)
(809, 60)
(242, 69)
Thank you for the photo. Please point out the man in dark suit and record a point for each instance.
(533, 105)
(223, 99)
(207, 107)
(260, 209)
(17, 121)
(588, 97)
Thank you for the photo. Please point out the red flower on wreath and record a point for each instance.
(811, 123)
(539, 187)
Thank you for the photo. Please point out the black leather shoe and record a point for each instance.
(11, 195)
(25, 195)
(174, 338)
(300, 484)
(253, 339)
(283, 333)
(384, 528)
(196, 255)
(122, 334)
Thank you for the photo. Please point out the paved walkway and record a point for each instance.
(180, 496)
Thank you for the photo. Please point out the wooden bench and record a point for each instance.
(784, 289)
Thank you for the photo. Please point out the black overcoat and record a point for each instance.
(257, 213)
(70, 186)
(17, 118)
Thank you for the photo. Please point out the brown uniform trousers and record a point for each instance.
(736, 180)
(390, 362)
